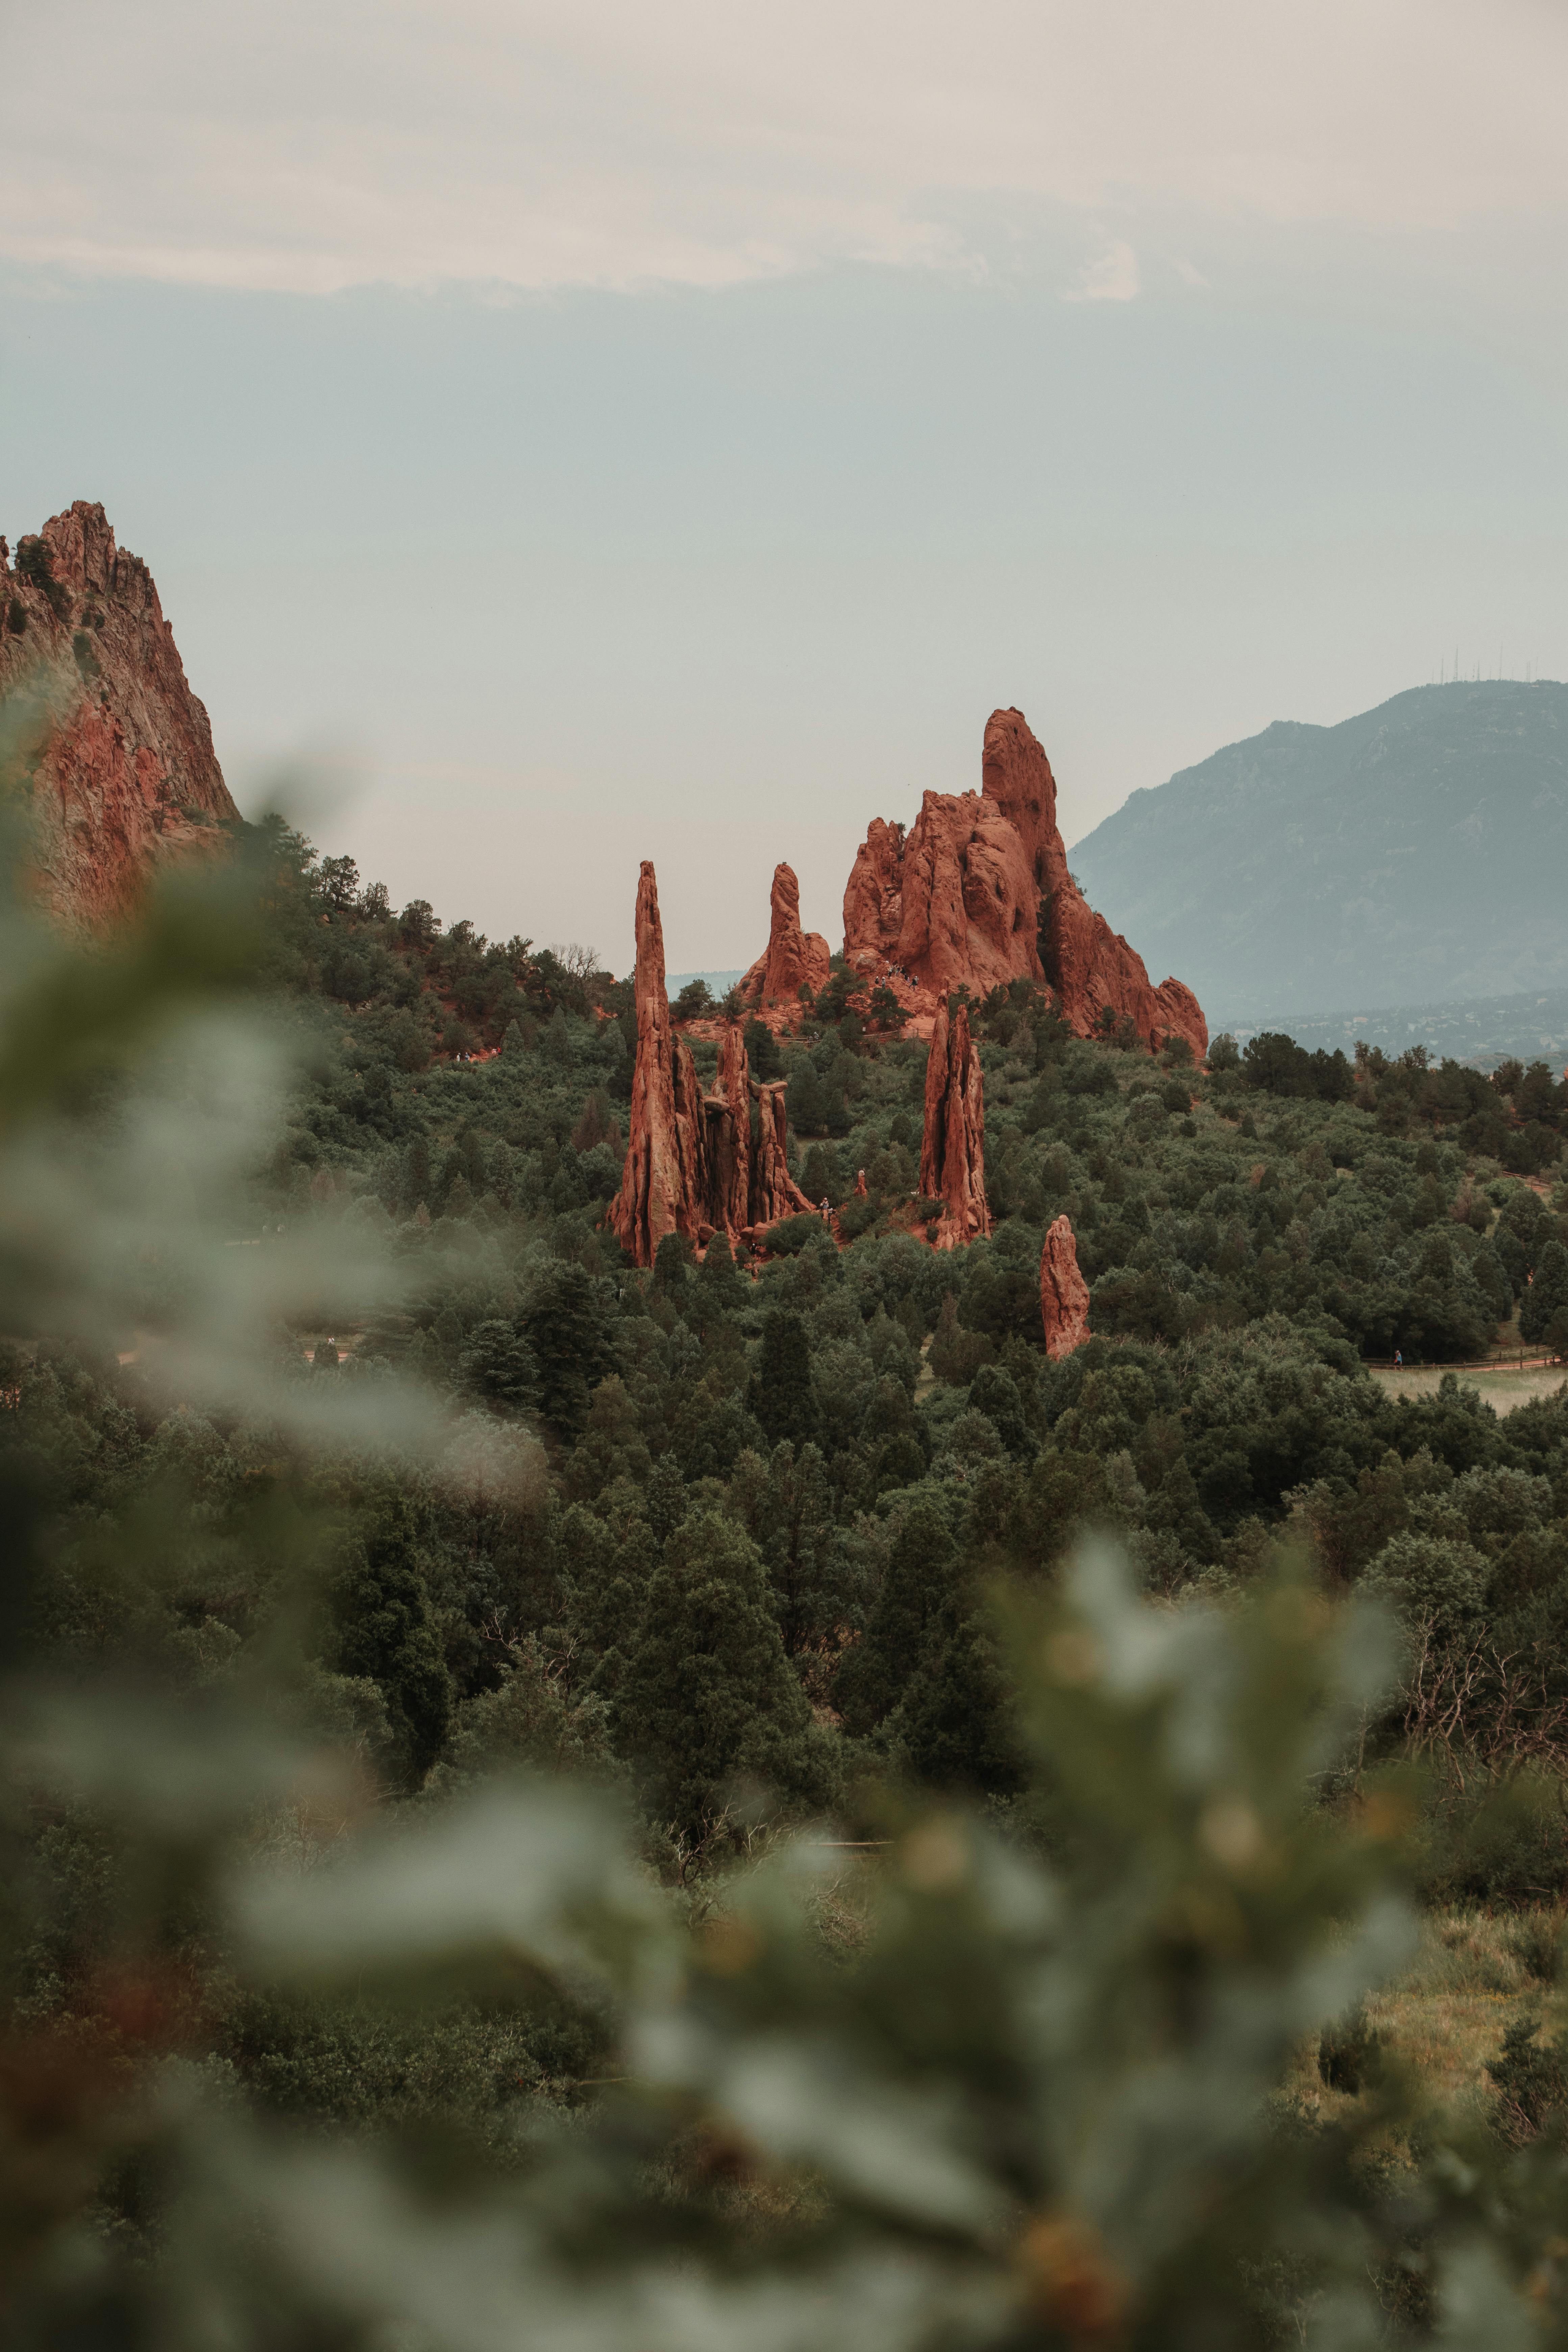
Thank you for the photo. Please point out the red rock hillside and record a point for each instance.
(691, 1166)
(977, 892)
(791, 956)
(125, 775)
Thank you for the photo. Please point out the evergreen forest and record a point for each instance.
(552, 1802)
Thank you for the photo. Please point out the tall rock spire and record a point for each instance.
(952, 1148)
(791, 956)
(664, 1180)
(691, 1165)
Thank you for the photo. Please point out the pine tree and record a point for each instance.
(566, 1329)
(763, 1052)
(720, 1286)
(802, 1546)
(417, 1174)
(497, 1364)
(953, 1728)
(994, 1392)
(921, 1569)
(387, 1633)
(707, 1698)
(1547, 1294)
(557, 1039)
(780, 1394)
(666, 1498)
(672, 1268)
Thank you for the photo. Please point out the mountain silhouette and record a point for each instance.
(1418, 852)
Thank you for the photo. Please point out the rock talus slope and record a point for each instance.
(977, 893)
(120, 774)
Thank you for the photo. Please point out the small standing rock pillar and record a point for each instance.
(792, 957)
(1064, 1293)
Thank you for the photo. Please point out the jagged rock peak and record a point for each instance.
(791, 956)
(691, 1166)
(121, 773)
(978, 893)
(952, 1148)
(1064, 1293)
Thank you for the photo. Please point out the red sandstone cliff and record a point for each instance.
(977, 892)
(791, 956)
(691, 1166)
(952, 1148)
(1064, 1294)
(123, 774)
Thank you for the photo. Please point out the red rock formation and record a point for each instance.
(774, 1192)
(664, 1180)
(978, 892)
(126, 777)
(691, 1167)
(792, 955)
(729, 1139)
(952, 1149)
(1064, 1294)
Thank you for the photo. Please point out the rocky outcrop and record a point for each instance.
(952, 1149)
(1064, 1293)
(978, 893)
(691, 1165)
(774, 1192)
(793, 957)
(730, 1138)
(118, 772)
(664, 1180)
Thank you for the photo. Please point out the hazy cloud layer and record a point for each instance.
(315, 144)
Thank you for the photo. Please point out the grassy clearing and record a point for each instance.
(1447, 2014)
(1503, 1391)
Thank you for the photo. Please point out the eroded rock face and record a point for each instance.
(663, 1179)
(122, 771)
(978, 893)
(952, 1148)
(774, 1192)
(1064, 1293)
(791, 956)
(691, 1166)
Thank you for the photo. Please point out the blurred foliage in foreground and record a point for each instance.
(288, 2061)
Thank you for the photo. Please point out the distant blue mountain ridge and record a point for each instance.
(1412, 859)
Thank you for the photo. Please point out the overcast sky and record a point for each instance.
(589, 432)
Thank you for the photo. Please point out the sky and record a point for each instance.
(568, 435)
